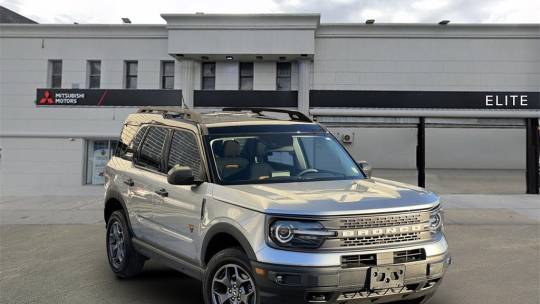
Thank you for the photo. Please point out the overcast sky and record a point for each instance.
(110, 11)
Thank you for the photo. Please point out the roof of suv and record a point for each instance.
(227, 117)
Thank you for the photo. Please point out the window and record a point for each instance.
(98, 153)
(94, 74)
(167, 74)
(131, 74)
(283, 76)
(246, 76)
(184, 152)
(130, 138)
(152, 146)
(55, 73)
(208, 76)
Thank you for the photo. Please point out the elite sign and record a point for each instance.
(108, 97)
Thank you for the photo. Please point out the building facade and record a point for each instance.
(66, 88)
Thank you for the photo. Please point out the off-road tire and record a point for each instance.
(130, 263)
(221, 260)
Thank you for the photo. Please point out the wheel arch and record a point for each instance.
(222, 236)
(114, 202)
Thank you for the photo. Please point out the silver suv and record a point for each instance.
(267, 210)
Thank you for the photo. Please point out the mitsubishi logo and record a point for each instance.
(46, 99)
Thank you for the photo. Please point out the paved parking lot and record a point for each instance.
(495, 242)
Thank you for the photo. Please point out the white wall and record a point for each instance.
(453, 64)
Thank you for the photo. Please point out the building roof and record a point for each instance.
(9, 16)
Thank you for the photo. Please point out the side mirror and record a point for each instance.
(365, 166)
(179, 175)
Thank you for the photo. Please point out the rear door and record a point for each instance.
(145, 174)
(178, 213)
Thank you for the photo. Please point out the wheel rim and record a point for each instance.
(233, 285)
(117, 251)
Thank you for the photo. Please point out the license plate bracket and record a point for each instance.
(384, 277)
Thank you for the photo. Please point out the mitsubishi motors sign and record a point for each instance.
(107, 97)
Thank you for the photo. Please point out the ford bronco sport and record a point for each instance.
(267, 210)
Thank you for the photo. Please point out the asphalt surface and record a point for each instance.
(496, 254)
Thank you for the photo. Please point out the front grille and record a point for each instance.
(380, 221)
(377, 229)
(358, 260)
(379, 239)
(406, 256)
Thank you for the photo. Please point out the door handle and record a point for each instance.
(162, 192)
(129, 182)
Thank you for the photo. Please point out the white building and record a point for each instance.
(370, 81)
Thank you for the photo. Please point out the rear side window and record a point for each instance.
(152, 147)
(184, 152)
(130, 138)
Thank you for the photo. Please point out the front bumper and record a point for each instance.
(330, 284)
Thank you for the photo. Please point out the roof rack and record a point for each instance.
(172, 112)
(294, 115)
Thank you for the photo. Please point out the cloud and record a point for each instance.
(107, 11)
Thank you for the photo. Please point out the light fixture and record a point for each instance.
(180, 55)
(370, 21)
(126, 20)
(259, 57)
(282, 58)
(229, 57)
(444, 22)
(303, 55)
(204, 57)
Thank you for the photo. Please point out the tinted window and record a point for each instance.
(208, 76)
(184, 152)
(152, 146)
(283, 76)
(130, 138)
(131, 74)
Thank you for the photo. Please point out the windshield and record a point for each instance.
(265, 158)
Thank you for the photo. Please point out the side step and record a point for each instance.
(170, 260)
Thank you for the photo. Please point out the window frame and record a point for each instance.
(289, 77)
(203, 77)
(251, 76)
(51, 74)
(162, 75)
(89, 75)
(127, 74)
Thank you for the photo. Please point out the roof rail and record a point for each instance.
(294, 115)
(171, 111)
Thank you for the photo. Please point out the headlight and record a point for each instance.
(436, 221)
(298, 234)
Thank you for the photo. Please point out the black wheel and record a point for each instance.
(124, 261)
(229, 279)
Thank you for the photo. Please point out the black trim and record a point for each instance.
(107, 97)
(418, 99)
(234, 232)
(421, 152)
(533, 147)
(173, 261)
(230, 98)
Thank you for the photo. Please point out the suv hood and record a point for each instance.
(325, 198)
